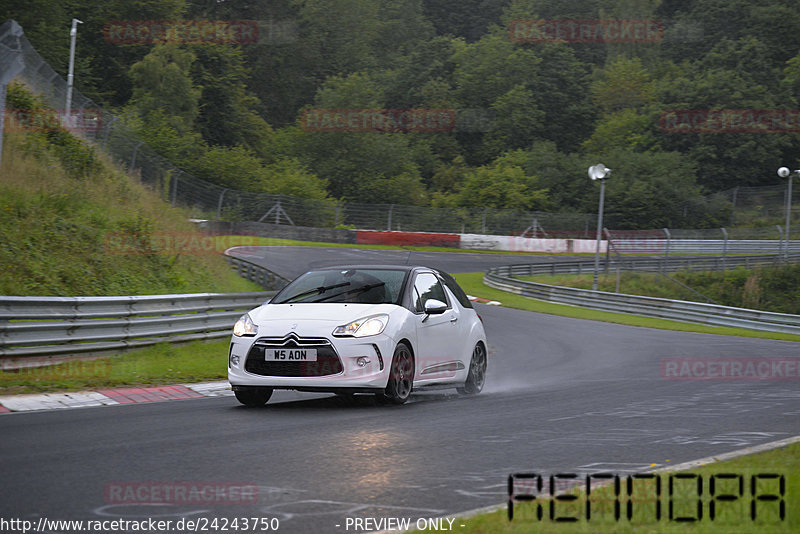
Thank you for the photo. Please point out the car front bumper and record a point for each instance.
(376, 350)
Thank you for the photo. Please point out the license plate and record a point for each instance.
(290, 355)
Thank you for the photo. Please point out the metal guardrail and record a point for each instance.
(72, 326)
(53, 326)
(704, 246)
(711, 314)
(653, 265)
(256, 273)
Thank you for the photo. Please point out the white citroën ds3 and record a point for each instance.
(385, 330)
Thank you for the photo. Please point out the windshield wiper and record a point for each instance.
(354, 290)
(315, 291)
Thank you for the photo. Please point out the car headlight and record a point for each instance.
(366, 326)
(245, 326)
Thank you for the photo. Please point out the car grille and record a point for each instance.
(327, 363)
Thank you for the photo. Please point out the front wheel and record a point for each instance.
(476, 376)
(401, 376)
(252, 396)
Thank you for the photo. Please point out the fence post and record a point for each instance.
(219, 204)
(483, 221)
(666, 247)
(724, 248)
(133, 158)
(389, 223)
(108, 131)
(780, 240)
(175, 188)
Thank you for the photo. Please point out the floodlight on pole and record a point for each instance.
(785, 172)
(73, 34)
(599, 173)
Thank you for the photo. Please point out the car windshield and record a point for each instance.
(366, 286)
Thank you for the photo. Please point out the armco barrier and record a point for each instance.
(53, 326)
(420, 239)
(711, 314)
(256, 273)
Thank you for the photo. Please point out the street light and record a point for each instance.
(784, 172)
(599, 172)
(73, 33)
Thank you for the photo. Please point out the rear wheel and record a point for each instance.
(401, 376)
(252, 396)
(476, 376)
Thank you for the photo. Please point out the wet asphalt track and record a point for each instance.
(562, 395)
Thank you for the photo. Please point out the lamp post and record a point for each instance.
(73, 33)
(784, 172)
(599, 172)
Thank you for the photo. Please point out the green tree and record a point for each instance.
(503, 185)
(227, 111)
(162, 83)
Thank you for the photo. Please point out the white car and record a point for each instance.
(385, 330)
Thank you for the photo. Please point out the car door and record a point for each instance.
(437, 335)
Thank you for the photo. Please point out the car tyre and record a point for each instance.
(252, 396)
(476, 375)
(401, 376)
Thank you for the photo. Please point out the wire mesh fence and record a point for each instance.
(206, 200)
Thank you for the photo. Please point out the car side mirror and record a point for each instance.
(435, 307)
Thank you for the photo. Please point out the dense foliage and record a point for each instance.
(532, 116)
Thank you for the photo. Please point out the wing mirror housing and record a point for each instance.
(435, 307)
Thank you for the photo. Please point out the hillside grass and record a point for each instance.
(160, 364)
(775, 289)
(67, 214)
(473, 284)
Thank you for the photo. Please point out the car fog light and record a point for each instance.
(234, 360)
(362, 361)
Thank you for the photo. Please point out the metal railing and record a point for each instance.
(256, 273)
(53, 326)
(653, 265)
(503, 278)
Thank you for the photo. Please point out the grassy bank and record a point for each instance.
(766, 288)
(156, 365)
(473, 285)
(64, 208)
